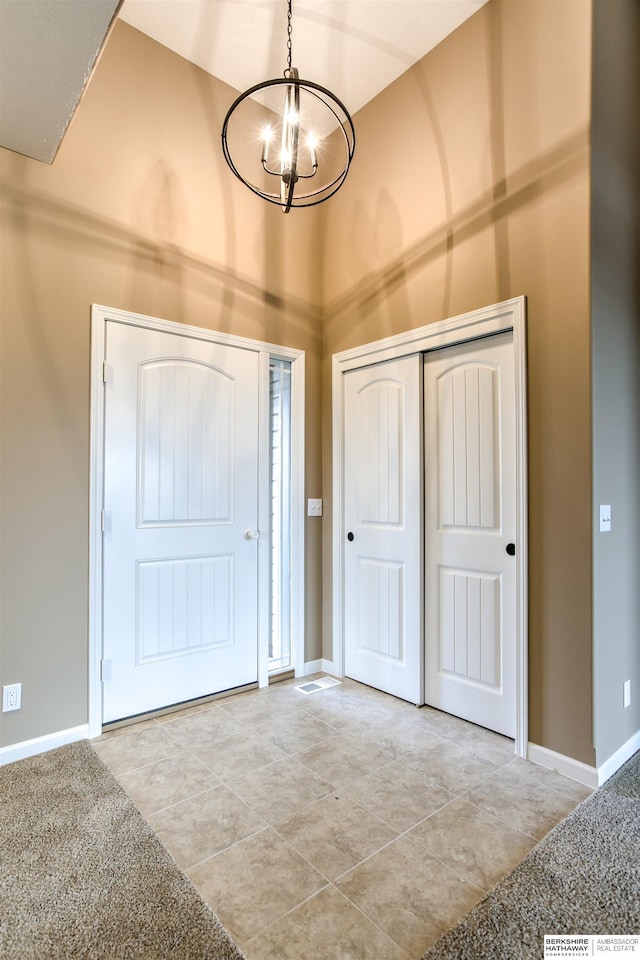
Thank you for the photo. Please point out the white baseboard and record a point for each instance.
(567, 766)
(621, 756)
(29, 748)
(312, 666)
(320, 666)
(328, 666)
(591, 776)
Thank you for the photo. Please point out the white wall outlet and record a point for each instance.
(11, 697)
(605, 517)
(626, 693)
(314, 508)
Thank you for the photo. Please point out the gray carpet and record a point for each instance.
(583, 878)
(83, 876)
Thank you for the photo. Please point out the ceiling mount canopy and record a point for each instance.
(291, 141)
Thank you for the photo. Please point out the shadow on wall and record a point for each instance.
(383, 268)
(562, 164)
(152, 259)
(66, 429)
(206, 35)
(380, 241)
(160, 213)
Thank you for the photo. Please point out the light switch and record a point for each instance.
(605, 517)
(314, 508)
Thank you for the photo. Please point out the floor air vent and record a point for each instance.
(314, 685)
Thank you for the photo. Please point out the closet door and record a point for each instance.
(470, 526)
(383, 526)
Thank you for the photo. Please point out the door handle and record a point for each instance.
(252, 534)
(350, 537)
(511, 549)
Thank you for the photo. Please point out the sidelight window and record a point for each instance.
(280, 410)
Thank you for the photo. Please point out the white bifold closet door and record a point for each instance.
(181, 498)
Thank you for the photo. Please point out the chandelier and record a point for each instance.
(289, 140)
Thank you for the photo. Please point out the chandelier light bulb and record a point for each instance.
(312, 144)
(267, 137)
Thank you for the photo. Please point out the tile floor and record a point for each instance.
(344, 825)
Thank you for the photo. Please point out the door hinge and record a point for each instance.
(103, 525)
(107, 373)
(105, 671)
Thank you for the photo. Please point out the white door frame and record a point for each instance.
(498, 318)
(99, 317)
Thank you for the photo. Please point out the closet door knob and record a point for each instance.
(511, 549)
(350, 537)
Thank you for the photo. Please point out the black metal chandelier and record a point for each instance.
(303, 151)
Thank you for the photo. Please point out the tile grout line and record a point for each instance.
(345, 718)
(327, 886)
(250, 836)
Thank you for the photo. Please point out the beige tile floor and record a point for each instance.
(344, 825)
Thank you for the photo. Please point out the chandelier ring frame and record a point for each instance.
(344, 123)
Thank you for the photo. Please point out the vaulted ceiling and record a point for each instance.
(355, 47)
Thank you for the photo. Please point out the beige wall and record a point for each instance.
(615, 325)
(470, 185)
(139, 212)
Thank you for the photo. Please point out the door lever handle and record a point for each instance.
(252, 534)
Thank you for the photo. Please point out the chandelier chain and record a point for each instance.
(289, 31)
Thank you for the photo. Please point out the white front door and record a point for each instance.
(181, 499)
(383, 518)
(470, 526)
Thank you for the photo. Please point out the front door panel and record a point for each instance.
(181, 478)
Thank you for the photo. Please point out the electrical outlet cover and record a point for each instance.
(11, 697)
